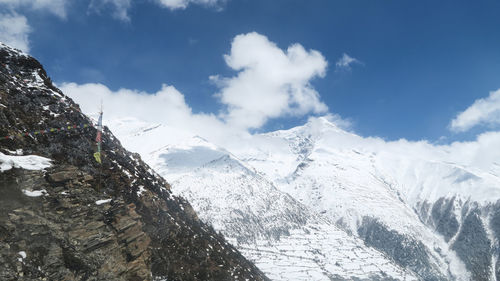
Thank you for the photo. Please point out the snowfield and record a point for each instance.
(296, 201)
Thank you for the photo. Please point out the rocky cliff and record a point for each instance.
(70, 218)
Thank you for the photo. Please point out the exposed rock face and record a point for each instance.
(495, 226)
(471, 244)
(443, 218)
(472, 231)
(403, 249)
(86, 222)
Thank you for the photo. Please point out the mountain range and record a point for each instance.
(318, 202)
(314, 202)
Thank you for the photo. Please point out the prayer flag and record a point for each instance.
(97, 157)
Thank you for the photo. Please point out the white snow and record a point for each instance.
(103, 201)
(140, 191)
(329, 170)
(34, 193)
(247, 208)
(23, 256)
(28, 162)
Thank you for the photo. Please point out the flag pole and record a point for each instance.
(98, 139)
(100, 164)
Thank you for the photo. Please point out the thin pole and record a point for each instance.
(99, 149)
(100, 173)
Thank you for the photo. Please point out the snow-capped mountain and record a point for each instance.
(436, 217)
(431, 215)
(283, 237)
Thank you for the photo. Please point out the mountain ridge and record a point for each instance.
(366, 170)
(77, 220)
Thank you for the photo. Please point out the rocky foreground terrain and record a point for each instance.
(65, 217)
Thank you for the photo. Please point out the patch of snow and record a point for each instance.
(34, 193)
(104, 201)
(23, 256)
(28, 162)
(141, 190)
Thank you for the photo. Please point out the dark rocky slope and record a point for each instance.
(471, 229)
(143, 233)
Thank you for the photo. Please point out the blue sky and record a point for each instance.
(417, 63)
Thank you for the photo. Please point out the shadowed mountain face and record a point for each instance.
(65, 217)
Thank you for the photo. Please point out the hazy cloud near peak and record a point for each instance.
(14, 31)
(485, 111)
(166, 106)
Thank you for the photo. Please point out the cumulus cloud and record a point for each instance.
(14, 30)
(484, 111)
(183, 4)
(57, 7)
(119, 8)
(270, 82)
(345, 62)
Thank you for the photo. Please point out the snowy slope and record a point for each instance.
(283, 238)
(351, 178)
(414, 202)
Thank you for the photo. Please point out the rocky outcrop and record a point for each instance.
(66, 235)
(118, 221)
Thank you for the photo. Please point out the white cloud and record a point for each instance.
(339, 121)
(166, 106)
(484, 111)
(345, 62)
(270, 83)
(183, 4)
(57, 7)
(482, 152)
(119, 8)
(14, 30)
